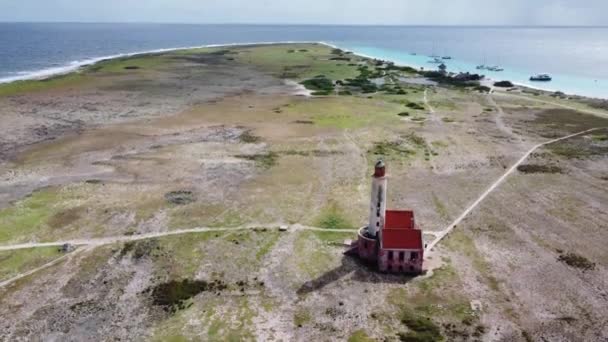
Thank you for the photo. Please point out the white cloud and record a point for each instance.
(388, 12)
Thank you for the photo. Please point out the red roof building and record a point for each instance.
(396, 219)
(401, 247)
(392, 238)
(400, 231)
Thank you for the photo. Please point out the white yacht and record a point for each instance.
(541, 77)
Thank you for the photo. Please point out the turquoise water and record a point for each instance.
(568, 84)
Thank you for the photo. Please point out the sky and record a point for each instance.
(340, 12)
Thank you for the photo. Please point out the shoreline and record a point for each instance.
(519, 83)
(75, 66)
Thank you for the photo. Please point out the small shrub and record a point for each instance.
(534, 168)
(360, 336)
(503, 84)
(577, 261)
(482, 89)
(526, 336)
(301, 317)
(567, 319)
(479, 331)
(180, 197)
(416, 139)
(248, 138)
(415, 106)
(332, 217)
(264, 161)
(340, 59)
(172, 295)
(599, 137)
(404, 114)
(422, 329)
(387, 148)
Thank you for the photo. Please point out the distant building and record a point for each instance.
(391, 239)
(443, 68)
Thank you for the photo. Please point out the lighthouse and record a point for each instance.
(377, 206)
(391, 239)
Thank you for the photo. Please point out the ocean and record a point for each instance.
(576, 57)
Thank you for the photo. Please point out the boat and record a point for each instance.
(481, 67)
(541, 77)
(495, 68)
(436, 61)
(446, 57)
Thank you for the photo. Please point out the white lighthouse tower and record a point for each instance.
(377, 206)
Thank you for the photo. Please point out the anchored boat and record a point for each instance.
(541, 77)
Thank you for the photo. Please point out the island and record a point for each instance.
(211, 194)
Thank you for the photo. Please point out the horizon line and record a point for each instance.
(302, 24)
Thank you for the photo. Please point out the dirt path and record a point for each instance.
(39, 268)
(432, 112)
(434, 119)
(364, 176)
(277, 324)
(582, 110)
(498, 118)
(426, 102)
(126, 238)
(495, 185)
(92, 243)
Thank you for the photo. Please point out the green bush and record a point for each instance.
(320, 84)
(577, 261)
(415, 106)
(503, 84)
(482, 89)
(422, 329)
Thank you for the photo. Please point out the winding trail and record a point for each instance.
(426, 101)
(434, 119)
(39, 268)
(126, 238)
(95, 242)
(582, 110)
(425, 98)
(495, 185)
(88, 244)
(498, 118)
